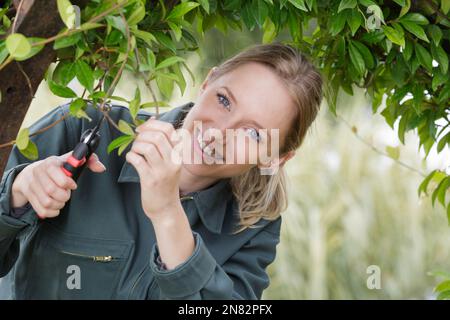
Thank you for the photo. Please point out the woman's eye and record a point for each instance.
(254, 134)
(224, 101)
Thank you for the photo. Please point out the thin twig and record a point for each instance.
(30, 87)
(37, 132)
(401, 163)
(119, 73)
(149, 86)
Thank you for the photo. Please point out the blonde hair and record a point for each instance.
(265, 196)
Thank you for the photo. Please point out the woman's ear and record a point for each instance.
(205, 82)
(273, 166)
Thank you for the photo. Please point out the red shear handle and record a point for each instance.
(74, 162)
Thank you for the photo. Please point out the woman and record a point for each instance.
(150, 227)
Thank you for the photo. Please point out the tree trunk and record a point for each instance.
(20, 80)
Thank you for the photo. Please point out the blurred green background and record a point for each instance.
(350, 207)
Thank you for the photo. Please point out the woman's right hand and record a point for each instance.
(45, 186)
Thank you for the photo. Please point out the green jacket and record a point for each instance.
(103, 237)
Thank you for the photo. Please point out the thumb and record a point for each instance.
(95, 165)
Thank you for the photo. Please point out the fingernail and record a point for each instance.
(102, 165)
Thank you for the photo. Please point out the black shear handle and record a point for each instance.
(81, 153)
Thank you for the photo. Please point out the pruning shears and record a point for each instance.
(82, 152)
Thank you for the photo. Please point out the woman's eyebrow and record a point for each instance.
(230, 93)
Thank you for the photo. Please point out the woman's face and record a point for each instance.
(239, 120)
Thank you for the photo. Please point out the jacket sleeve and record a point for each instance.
(200, 277)
(57, 140)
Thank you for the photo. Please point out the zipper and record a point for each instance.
(186, 198)
(94, 258)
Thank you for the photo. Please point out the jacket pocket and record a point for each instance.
(68, 266)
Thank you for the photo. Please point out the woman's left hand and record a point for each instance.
(151, 155)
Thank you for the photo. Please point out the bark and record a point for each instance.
(20, 80)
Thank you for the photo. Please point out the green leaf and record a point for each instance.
(181, 9)
(445, 6)
(205, 5)
(61, 91)
(176, 30)
(354, 21)
(366, 54)
(408, 50)
(137, 15)
(405, 8)
(181, 82)
(270, 31)
(124, 146)
(135, 103)
(117, 23)
(31, 151)
(423, 187)
(18, 45)
(346, 4)
(337, 23)
(64, 72)
(415, 18)
(34, 49)
(424, 56)
(168, 62)
(393, 152)
(415, 30)
(444, 295)
(85, 75)
(165, 85)
(436, 34)
(67, 13)
(299, 4)
(394, 35)
(356, 58)
(443, 142)
(77, 109)
(67, 41)
(165, 41)
(23, 137)
(125, 127)
(146, 36)
(440, 56)
(116, 143)
(260, 11)
(442, 190)
(3, 51)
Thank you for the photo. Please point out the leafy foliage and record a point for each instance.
(397, 50)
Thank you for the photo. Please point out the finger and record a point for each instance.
(52, 189)
(159, 139)
(149, 151)
(95, 165)
(41, 212)
(59, 177)
(43, 198)
(156, 125)
(139, 163)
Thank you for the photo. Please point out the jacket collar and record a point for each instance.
(211, 203)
